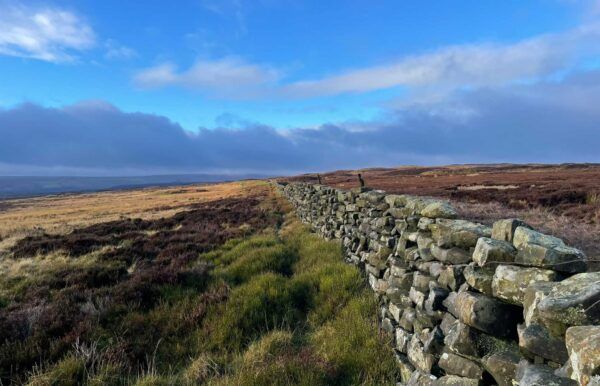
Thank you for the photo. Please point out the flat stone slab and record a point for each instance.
(489, 251)
(510, 282)
(572, 302)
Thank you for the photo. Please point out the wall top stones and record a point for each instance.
(464, 303)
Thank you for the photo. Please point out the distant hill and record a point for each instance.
(23, 186)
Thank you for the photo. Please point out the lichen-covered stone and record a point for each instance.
(421, 282)
(502, 366)
(487, 314)
(456, 365)
(458, 233)
(531, 300)
(451, 277)
(417, 297)
(510, 282)
(439, 209)
(572, 302)
(559, 258)
(403, 337)
(525, 235)
(489, 251)
(583, 344)
(536, 341)
(539, 375)
(402, 281)
(408, 318)
(505, 229)
(479, 278)
(460, 340)
(406, 368)
(453, 380)
(395, 311)
(418, 357)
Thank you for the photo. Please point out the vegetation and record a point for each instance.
(221, 294)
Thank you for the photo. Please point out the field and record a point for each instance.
(562, 200)
(213, 284)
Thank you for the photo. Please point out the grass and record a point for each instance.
(275, 305)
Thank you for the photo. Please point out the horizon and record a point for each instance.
(284, 87)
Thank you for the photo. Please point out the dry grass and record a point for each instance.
(63, 213)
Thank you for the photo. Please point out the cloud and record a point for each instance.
(44, 33)
(548, 121)
(117, 51)
(228, 76)
(470, 65)
(433, 73)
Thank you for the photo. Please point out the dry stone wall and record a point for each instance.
(466, 304)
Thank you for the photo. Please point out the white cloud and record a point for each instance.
(428, 75)
(471, 65)
(228, 76)
(43, 33)
(117, 51)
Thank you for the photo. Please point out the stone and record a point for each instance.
(536, 341)
(505, 229)
(453, 380)
(583, 345)
(435, 299)
(447, 322)
(479, 278)
(488, 314)
(510, 282)
(450, 303)
(531, 300)
(435, 269)
(394, 200)
(399, 298)
(424, 223)
(528, 374)
(456, 365)
(433, 341)
(458, 233)
(423, 321)
(388, 326)
(417, 297)
(572, 302)
(451, 277)
(421, 282)
(406, 368)
(502, 366)
(402, 281)
(524, 235)
(420, 379)
(418, 357)
(395, 311)
(408, 318)
(439, 209)
(559, 258)
(451, 255)
(403, 337)
(461, 340)
(491, 252)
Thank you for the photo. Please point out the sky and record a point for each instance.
(289, 86)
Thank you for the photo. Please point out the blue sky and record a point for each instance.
(290, 71)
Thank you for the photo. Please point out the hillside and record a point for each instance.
(201, 284)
